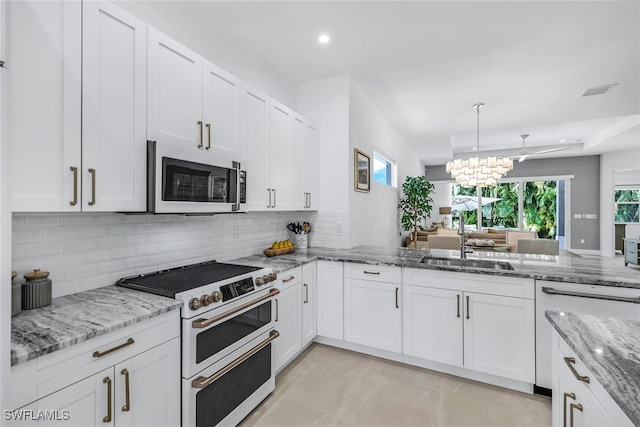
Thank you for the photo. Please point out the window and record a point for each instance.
(383, 170)
(627, 205)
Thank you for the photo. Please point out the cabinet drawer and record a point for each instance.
(46, 374)
(374, 273)
(517, 287)
(288, 278)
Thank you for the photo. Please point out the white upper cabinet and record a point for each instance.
(282, 157)
(44, 108)
(114, 111)
(175, 93)
(310, 162)
(222, 93)
(192, 102)
(256, 128)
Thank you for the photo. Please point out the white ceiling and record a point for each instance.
(425, 63)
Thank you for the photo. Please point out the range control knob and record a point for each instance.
(195, 303)
(216, 296)
(272, 277)
(206, 299)
(260, 281)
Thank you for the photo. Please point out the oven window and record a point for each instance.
(219, 337)
(219, 399)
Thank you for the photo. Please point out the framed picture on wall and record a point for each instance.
(362, 171)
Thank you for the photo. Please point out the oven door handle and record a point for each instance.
(202, 382)
(203, 323)
(552, 291)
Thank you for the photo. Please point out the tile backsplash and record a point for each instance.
(85, 251)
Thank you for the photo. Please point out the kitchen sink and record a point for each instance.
(473, 263)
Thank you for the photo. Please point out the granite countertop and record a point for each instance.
(72, 319)
(610, 349)
(566, 267)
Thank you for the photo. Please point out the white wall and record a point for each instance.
(441, 198)
(374, 216)
(609, 163)
(224, 50)
(85, 251)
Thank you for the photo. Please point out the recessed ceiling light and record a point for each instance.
(324, 39)
(563, 140)
(474, 148)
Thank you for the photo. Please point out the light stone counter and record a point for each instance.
(610, 349)
(72, 319)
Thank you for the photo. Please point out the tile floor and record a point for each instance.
(327, 386)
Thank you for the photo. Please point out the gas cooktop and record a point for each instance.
(170, 282)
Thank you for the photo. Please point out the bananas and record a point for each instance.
(282, 244)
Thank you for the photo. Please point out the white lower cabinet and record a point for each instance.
(137, 392)
(482, 323)
(372, 314)
(129, 377)
(330, 297)
(288, 317)
(578, 403)
(308, 303)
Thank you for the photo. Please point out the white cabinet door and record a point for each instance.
(174, 93)
(282, 157)
(311, 166)
(153, 382)
(289, 324)
(256, 125)
(330, 299)
(372, 314)
(114, 120)
(433, 324)
(308, 303)
(82, 404)
(499, 336)
(222, 94)
(44, 108)
(297, 165)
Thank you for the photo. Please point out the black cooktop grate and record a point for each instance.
(173, 281)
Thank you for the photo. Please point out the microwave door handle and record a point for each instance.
(236, 205)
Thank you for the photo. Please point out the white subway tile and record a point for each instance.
(110, 267)
(65, 288)
(146, 228)
(135, 262)
(17, 251)
(42, 221)
(135, 219)
(121, 230)
(60, 233)
(26, 265)
(80, 272)
(95, 282)
(79, 219)
(135, 240)
(26, 235)
(17, 220)
(92, 231)
(105, 219)
(122, 253)
(78, 245)
(39, 249)
(109, 242)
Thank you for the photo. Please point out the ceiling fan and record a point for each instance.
(524, 153)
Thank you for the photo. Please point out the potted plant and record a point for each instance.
(415, 204)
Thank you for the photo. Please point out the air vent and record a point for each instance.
(599, 90)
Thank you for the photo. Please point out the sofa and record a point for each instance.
(499, 237)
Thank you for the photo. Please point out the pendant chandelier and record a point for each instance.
(479, 171)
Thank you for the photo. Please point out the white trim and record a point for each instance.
(5, 238)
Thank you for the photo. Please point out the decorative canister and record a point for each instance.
(36, 290)
(16, 295)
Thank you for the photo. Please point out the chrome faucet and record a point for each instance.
(463, 248)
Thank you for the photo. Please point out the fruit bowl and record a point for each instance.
(275, 252)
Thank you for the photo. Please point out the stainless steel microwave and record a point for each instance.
(182, 180)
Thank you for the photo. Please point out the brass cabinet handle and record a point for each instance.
(107, 381)
(371, 272)
(127, 403)
(269, 193)
(202, 382)
(570, 361)
(564, 407)
(573, 406)
(201, 137)
(306, 200)
(309, 204)
(306, 293)
(203, 323)
(209, 135)
(397, 302)
(274, 197)
(116, 348)
(75, 186)
(468, 307)
(277, 309)
(288, 279)
(92, 171)
(458, 304)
